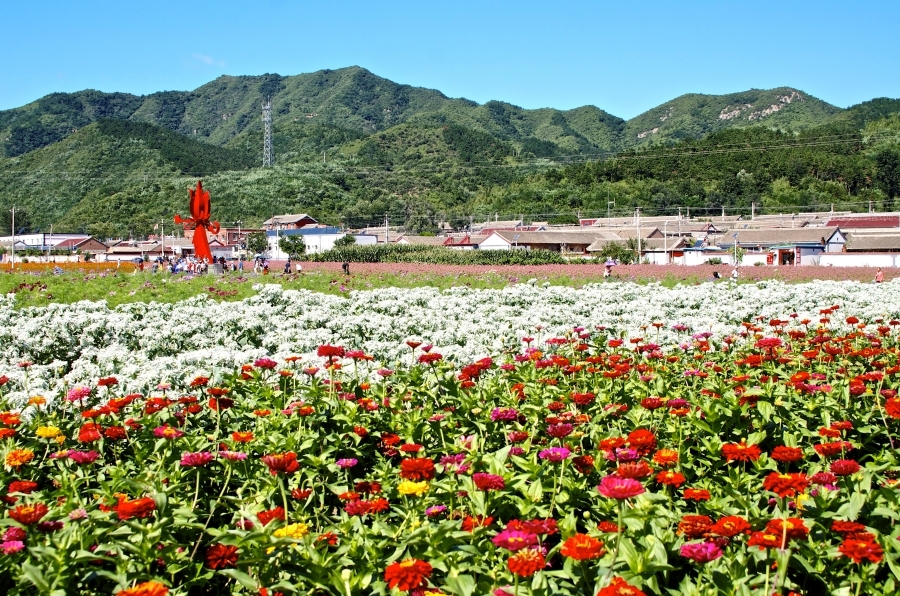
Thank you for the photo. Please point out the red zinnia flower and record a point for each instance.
(488, 481)
(150, 588)
(696, 494)
(892, 407)
(407, 575)
(281, 463)
(832, 449)
(730, 526)
(786, 485)
(740, 451)
(635, 470)
(844, 467)
(526, 562)
(471, 522)
(417, 469)
(786, 454)
(582, 547)
(620, 587)
(140, 508)
(265, 517)
(847, 527)
(29, 514)
(584, 464)
(221, 556)
(615, 487)
(860, 549)
(670, 479)
(694, 526)
(792, 528)
(642, 441)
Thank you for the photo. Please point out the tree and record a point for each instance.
(888, 173)
(347, 240)
(257, 243)
(623, 252)
(294, 246)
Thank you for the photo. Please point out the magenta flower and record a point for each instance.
(488, 481)
(78, 393)
(233, 455)
(435, 510)
(615, 487)
(514, 540)
(266, 363)
(83, 457)
(844, 467)
(14, 533)
(560, 431)
(504, 414)
(384, 372)
(12, 546)
(77, 514)
(701, 552)
(347, 462)
(193, 460)
(555, 454)
(167, 432)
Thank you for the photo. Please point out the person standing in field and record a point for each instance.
(734, 275)
(879, 276)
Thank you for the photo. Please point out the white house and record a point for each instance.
(316, 240)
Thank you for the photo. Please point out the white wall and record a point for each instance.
(850, 259)
(317, 243)
(494, 242)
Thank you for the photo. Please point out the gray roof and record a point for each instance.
(645, 232)
(287, 219)
(775, 236)
(425, 240)
(550, 237)
(873, 242)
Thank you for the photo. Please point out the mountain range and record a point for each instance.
(347, 143)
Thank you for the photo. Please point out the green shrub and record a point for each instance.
(434, 255)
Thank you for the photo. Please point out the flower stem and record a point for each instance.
(621, 531)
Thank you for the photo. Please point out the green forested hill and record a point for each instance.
(351, 147)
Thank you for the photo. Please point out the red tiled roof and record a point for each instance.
(871, 221)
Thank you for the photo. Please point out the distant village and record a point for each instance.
(824, 238)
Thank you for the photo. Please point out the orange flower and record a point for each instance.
(29, 514)
(694, 526)
(242, 437)
(417, 468)
(670, 479)
(620, 587)
(581, 547)
(740, 451)
(19, 457)
(730, 526)
(221, 556)
(786, 485)
(407, 575)
(127, 509)
(145, 589)
(281, 463)
(526, 562)
(665, 457)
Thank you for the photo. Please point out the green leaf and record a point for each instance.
(464, 585)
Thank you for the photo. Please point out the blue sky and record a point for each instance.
(624, 57)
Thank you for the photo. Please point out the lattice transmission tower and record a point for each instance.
(268, 153)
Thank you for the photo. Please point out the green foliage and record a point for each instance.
(434, 255)
(348, 240)
(293, 245)
(257, 243)
(624, 253)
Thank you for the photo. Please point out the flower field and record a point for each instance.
(616, 439)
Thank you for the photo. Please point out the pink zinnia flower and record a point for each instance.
(488, 481)
(701, 552)
(615, 487)
(83, 457)
(78, 393)
(555, 454)
(265, 363)
(167, 432)
(233, 455)
(515, 540)
(12, 546)
(201, 458)
(844, 467)
(559, 431)
(347, 462)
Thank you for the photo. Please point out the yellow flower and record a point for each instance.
(19, 457)
(408, 487)
(61, 439)
(37, 400)
(295, 531)
(47, 432)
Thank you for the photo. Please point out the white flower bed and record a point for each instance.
(145, 344)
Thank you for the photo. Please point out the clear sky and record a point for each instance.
(624, 57)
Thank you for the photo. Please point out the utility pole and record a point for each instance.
(386, 229)
(637, 220)
(268, 153)
(753, 210)
(162, 238)
(12, 256)
(50, 243)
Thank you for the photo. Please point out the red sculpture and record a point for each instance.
(199, 221)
